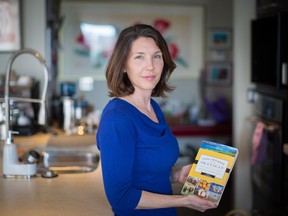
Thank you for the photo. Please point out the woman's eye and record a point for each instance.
(158, 56)
(139, 57)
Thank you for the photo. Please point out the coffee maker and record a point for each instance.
(68, 111)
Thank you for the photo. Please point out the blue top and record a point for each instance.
(136, 154)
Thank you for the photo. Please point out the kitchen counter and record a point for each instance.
(66, 195)
(224, 129)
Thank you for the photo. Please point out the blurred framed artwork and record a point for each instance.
(89, 33)
(219, 74)
(219, 55)
(219, 38)
(10, 34)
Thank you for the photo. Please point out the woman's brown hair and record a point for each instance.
(118, 81)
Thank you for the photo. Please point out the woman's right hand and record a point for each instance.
(197, 203)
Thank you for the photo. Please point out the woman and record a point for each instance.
(138, 150)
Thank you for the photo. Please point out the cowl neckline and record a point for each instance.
(150, 126)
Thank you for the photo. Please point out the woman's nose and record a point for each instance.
(150, 63)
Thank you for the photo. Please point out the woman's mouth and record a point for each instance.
(149, 78)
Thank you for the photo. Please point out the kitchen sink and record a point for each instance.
(68, 161)
(66, 154)
(64, 160)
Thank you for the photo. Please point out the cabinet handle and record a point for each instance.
(284, 73)
(285, 149)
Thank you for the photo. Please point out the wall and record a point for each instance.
(218, 14)
(241, 108)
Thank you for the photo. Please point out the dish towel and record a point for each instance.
(259, 144)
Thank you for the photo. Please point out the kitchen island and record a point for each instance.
(79, 194)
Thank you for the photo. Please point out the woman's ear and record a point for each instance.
(124, 69)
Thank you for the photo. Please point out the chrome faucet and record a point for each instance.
(11, 166)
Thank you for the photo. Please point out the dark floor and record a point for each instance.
(226, 204)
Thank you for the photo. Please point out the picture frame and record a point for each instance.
(220, 38)
(219, 55)
(10, 31)
(219, 74)
(181, 26)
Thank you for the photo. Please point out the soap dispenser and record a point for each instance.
(12, 168)
(10, 154)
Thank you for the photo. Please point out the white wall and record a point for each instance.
(33, 36)
(241, 108)
(34, 25)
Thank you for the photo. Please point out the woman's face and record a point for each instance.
(144, 64)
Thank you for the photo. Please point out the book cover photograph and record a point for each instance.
(210, 171)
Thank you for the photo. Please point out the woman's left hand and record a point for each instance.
(183, 173)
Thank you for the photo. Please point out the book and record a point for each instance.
(210, 171)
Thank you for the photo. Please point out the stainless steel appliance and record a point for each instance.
(270, 170)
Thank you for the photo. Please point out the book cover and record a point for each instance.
(210, 171)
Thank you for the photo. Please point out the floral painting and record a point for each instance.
(89, 37)
(10, 38)
(86, 48)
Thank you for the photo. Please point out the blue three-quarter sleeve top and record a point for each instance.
(137, 154)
